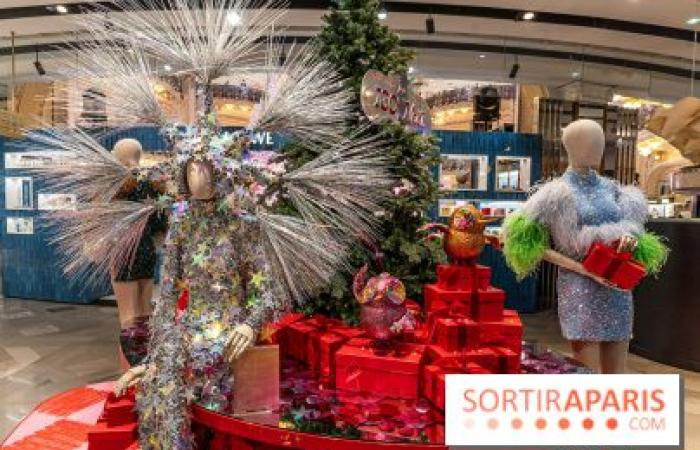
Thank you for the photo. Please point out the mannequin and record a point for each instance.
(133, 285)
(570, 213)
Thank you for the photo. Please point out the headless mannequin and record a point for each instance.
(133, 297)
(584, 142)
(200, 186)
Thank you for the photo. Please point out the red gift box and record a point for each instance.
(433, 380)
(484, 356)
(272, 333)
(509, 361)
(488, 306)
(438, 299)
(120, 412)
(463, 277)
(296, 338)
(105, 437)
(455, 334)
(359, 368)
(322, 345)
(618, 267)
(506, 333)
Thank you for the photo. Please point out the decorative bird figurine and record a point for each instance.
(463, 237)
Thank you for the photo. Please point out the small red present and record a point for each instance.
(438, 299)
(503, 333)
(489, 303)
(484, 356)
(105, 437)
(296, 339)
(455, 334)
(618, 267)
(322, 345)
(509, 361)
(395, 373)
(272, 332)
(119, 411)
(463, 277)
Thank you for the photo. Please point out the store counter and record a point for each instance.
(667, 314)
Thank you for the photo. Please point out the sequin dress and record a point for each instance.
(144, 263)
(578, 209)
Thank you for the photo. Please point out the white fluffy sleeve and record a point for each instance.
(633, 204)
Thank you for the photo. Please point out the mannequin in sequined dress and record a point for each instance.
(570, 213)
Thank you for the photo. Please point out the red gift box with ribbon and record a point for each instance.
(486, 357)
(463, 277)
(618, 267)
(438, 299)
(272, 332)
(507, 332)
(454, 333)
(394, 372)
(296, 339)
(322, 344)
(488, 304)
(433, 379)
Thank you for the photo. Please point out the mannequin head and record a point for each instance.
(584, 141)
(128, 152)
(200, 180)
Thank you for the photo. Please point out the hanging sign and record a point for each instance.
(390, 97)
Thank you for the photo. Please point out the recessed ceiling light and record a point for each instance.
(575, 74)
(529, 15)
(167, 68)
(61, 9)
(482, 56)
(382, 13)
(233, 18)
(693, 20)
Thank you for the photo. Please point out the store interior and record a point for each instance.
(497, 82)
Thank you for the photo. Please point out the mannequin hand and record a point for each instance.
(130, 378)
(242, 337)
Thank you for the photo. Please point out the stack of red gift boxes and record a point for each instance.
(465, 330)
(117, 427)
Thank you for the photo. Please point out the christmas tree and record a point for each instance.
(355, 40)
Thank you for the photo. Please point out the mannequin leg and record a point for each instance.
(613, 357)
(145, 295)
(586, 353)
(127, 293)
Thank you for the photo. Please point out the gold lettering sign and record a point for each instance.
(390, 98)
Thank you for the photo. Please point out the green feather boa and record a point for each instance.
(651, 252)
(525, 243)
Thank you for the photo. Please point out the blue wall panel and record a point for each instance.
(30, 264)
(521, 295)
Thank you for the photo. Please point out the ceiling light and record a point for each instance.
(575, 74)
(382, 13)
(167, 68)
(482, 56)
(529, 15)
(61, 9)
(233, 18)
(693, 20)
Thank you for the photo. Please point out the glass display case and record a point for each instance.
(463, 172)
(512, 174)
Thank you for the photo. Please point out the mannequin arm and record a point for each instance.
(567, 263)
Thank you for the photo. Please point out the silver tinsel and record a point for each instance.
(82, 166)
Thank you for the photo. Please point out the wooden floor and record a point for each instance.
(46, 348)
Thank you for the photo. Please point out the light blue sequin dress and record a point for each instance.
(589, 311)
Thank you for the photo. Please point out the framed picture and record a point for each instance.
(23, 160)
(19, 193)
(56, 201)
(20, 225)
(513, 173)
(463, 172)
